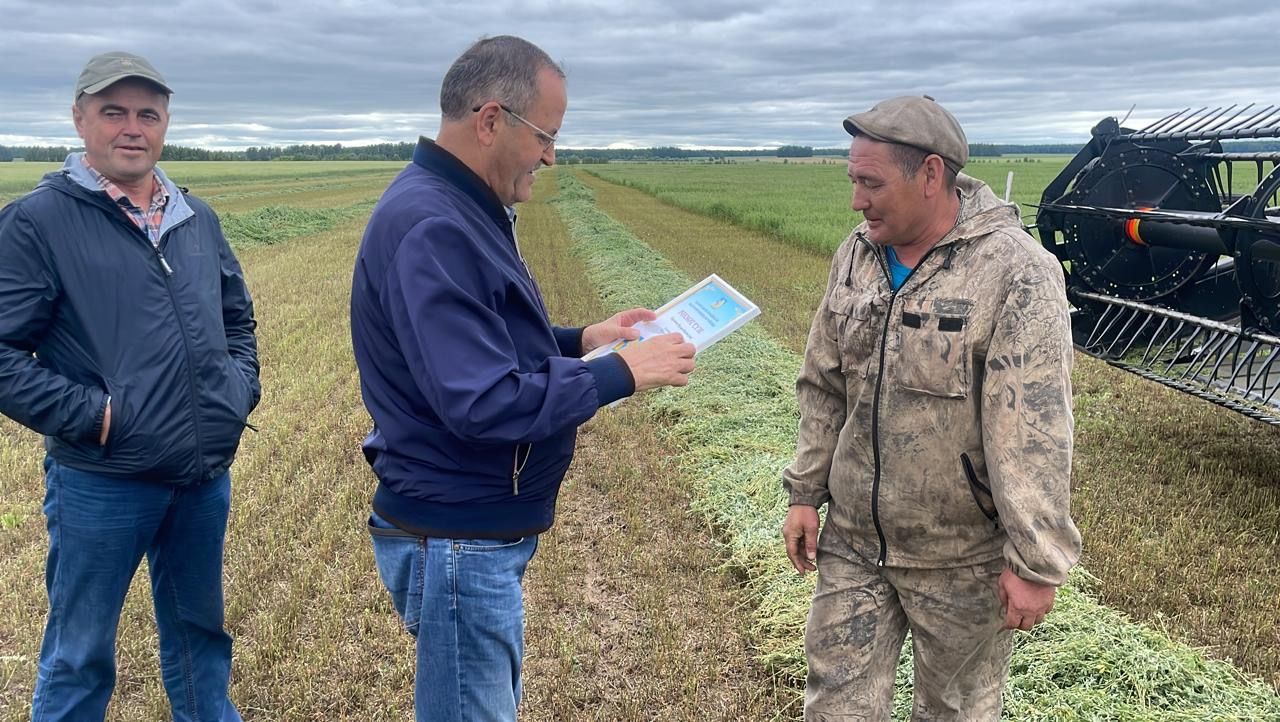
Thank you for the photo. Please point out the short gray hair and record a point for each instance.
(503, 68)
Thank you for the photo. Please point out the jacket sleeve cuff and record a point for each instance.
(813, 499)
(568, 339)
(1052, 577)
(613, 378)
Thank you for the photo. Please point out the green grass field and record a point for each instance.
(804, 203)
(225, 183)
(632, 611)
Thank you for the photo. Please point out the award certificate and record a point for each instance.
(704, 314)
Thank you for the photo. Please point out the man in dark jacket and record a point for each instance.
(475, 396)
(126, 338)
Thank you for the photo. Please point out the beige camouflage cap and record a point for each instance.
(916, 121)
(103, 70)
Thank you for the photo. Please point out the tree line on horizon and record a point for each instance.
(404, 151)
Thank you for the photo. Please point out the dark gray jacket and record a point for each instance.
(89, 308)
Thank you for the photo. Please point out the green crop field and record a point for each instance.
(230, 181)
(662, 592)
(806, 203)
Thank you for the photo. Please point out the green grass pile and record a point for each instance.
(734, 429)
(272, 224)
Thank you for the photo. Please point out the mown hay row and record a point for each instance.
(273, 224)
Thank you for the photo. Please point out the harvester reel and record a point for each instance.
(1174, 274)
(1103, 255)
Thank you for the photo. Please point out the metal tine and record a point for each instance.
(1134, 336)
(1275, 384)
(1195, 333)
(1115, 319)
(1147, 128)
(1198, 360)
(1185, 122)
(1271, 117)
(1163, 121)
(1097, 333)
(1262, 373)
(1260, 122)
(1244, 123)
(1207, 353)
(1241, 364)
(1222, 357)
(1224, 121)
(1146, 354)
(1235, 356)
(1121, 335)
(1209, 118)
(1272, 394)
(1176, 332)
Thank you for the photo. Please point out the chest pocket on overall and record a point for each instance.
(934, 357)
(857, 322)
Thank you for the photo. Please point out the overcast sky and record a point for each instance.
(707, 73)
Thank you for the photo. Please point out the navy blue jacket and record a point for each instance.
(83, 289)
(475, 396)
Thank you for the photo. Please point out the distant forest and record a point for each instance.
(404, 151)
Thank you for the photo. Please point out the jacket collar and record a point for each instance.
(982, 210)
(440, 162)
(175, 212)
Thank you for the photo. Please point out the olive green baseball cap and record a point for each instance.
(917, 121)
(103, 70)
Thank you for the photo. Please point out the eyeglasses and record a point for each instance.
(546, 139)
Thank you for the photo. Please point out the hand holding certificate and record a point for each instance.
(704, 314)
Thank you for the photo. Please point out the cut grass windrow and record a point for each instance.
(734, 429)
(272, 224)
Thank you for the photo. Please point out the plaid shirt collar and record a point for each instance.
(149, 220)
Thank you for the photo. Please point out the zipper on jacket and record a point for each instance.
(186, 341)
(177, 314)
(875, 406)
(168, 271)
(517, 467)
(528, 272)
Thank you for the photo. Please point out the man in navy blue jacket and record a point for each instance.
(127, 339)
(475, 396)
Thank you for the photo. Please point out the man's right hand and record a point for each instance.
(665, 360)
(800, 532)
(106, 425)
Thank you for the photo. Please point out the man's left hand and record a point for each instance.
(617, 326)
(1026, 603)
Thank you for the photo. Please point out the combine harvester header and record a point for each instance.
(1171, 247)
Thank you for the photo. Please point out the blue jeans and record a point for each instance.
(99, 528)
(461, 599)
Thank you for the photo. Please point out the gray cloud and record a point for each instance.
(734, 73)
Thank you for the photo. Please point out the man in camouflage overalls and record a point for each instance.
(935, 423)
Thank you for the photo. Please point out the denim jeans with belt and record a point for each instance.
(99, 529)
(461, 600)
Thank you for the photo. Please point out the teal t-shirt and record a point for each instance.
(897, 272)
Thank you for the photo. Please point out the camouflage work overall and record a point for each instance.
(936, 420)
